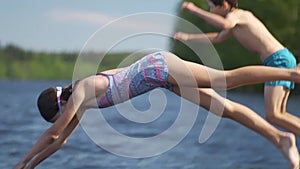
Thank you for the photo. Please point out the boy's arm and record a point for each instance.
(216, 20)
(204, 38)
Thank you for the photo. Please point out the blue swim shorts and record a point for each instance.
(281, 59)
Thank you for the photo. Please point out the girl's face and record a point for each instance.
(63, 103)
(55, 117)
(219, 10)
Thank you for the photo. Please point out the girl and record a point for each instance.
(64, 107)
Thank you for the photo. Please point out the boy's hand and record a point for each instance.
(188, 6)
(180, 36)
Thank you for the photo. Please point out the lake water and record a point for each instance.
(231, 146)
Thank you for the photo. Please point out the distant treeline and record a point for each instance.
(18, 63)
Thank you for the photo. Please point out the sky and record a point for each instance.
(61, 25)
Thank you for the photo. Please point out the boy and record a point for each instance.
(255, 37)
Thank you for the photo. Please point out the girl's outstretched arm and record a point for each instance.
(52, 134)
(44, 141)
(56, 145)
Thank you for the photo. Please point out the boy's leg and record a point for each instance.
(275, 105)
(283, 140)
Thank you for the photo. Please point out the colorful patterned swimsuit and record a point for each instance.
(144, 75)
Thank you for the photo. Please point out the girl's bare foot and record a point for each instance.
(287, 145)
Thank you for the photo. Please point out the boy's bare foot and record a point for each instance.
(287, 145)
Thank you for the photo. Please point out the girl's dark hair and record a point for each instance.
(232, 3)
(47, 101)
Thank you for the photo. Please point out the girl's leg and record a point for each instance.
(181, 70)
(283, 140)
(275, 102)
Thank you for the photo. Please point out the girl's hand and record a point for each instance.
(20, 165)
(29, 167)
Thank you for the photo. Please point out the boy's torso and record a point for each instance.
(253, 35)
